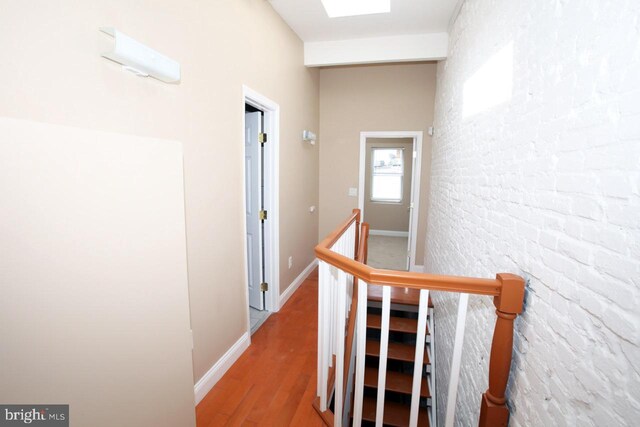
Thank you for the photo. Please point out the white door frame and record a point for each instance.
(415, 181)
(271, 199)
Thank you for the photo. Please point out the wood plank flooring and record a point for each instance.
(274, 382)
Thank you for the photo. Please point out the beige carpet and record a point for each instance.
(388, 252)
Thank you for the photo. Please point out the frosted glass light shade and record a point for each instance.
(141, 59)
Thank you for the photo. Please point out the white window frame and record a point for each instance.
(373, 174)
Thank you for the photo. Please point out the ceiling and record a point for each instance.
(310, 21)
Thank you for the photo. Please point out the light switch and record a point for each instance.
(353, 191)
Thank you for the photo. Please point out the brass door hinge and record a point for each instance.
(263, 215)
(262, 138)
(264, 287)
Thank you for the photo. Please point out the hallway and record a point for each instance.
(274, 381)
(388, 252)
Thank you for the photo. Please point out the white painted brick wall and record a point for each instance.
(545, 185)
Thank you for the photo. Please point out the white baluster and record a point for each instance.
(350, 371)
(336, 315)
(323, 340)
(452, 394)
(340, 310)
(384, 346)
(335, 293)
(419, 357)
(361, 343)
(329, 309)
(320, 326)
(332, 314)
(432, 375)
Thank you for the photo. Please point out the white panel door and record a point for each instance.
(253, 180)
(94, 310)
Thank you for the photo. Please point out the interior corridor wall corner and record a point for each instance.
(353, 99)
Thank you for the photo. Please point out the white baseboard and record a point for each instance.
(297, 282)
(213, 375)
(389, 233)
(417, 268)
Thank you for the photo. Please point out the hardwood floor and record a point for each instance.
(274, 382)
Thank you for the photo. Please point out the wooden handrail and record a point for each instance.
(339, 231)
(507, 290)
(407, 279)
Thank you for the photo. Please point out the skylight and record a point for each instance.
(339, 8)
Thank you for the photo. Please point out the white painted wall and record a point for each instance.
(543, 181)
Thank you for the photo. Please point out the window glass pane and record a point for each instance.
(386, 174)
(387, 161)
(386, 188)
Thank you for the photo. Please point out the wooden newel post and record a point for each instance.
(365, 232)
(493, 409)
(358, 219)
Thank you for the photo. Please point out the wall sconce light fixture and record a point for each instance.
(309, 137)
(140, 59)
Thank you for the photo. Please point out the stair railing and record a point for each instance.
(334, 303)
(343, 271)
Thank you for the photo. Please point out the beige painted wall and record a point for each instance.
(52, 72)
(391, 97)
(389, 216)
(95, 307)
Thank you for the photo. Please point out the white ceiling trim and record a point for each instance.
(415, 47)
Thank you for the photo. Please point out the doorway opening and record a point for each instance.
(260, 143)
(389, 191)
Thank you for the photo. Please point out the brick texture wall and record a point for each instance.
(545, 184)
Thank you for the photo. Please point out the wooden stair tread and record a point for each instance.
(396, 382)
(395, 351)
(396, 324)
(395, 414)
(406, 296)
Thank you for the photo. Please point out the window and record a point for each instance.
(387, 171)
